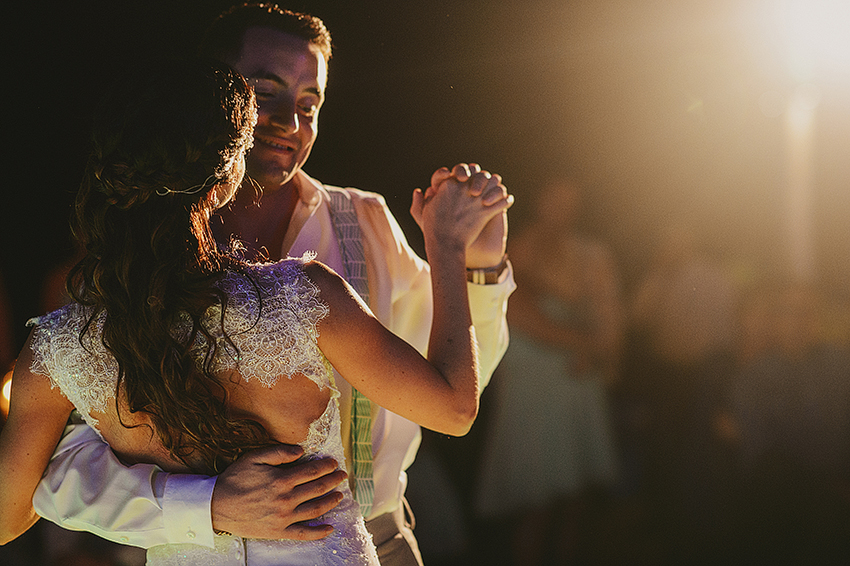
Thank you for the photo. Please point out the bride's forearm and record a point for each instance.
(451, 348)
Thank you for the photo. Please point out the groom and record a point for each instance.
(267, 494)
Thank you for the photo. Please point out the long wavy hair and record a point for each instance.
(166, 137)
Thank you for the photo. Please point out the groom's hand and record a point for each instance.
(268, 494)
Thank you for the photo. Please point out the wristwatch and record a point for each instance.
(487, 275)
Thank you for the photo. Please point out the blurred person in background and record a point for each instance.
(683, 321)
(790, 410)
(549, 446)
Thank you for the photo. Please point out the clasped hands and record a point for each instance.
(468, 206)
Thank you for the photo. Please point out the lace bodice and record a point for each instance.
(271, 318)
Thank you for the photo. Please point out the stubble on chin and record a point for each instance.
(270, 177)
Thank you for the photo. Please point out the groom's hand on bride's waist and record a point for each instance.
(267, 493)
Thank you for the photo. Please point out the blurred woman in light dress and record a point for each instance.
(550, 441)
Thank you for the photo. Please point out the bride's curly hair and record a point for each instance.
(166, 137)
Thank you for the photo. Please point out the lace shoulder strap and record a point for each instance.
(80, 365)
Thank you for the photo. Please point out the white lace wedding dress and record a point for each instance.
(271, 317)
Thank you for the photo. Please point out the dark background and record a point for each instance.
(657, 108)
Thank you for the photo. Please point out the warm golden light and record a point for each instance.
(799, 127)
(7, 394)
(815, 52)
(815, 36)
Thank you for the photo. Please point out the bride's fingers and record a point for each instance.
(494, 191)
(499, 206)
(479, 182)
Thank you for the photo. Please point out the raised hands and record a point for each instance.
(465, 206)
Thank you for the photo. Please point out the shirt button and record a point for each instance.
(190, 534)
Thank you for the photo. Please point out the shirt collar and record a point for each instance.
(309, 189)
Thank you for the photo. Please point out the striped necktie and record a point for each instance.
(354, 266)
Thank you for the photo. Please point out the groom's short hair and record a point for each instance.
(223, 39)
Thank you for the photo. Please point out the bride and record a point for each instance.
(184, 356)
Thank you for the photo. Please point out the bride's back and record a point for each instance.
(269, 366)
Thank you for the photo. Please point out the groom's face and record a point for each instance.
(288, 75)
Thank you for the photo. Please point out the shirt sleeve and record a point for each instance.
(489, 307)
(86, 488)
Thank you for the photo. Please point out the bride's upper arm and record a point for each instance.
(382, 366)
(33, 392)
(37, 417)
